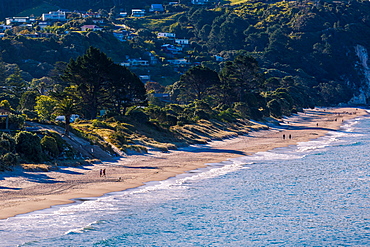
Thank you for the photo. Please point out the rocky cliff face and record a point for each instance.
(364, 94)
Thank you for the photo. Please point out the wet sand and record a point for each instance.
(22, 192)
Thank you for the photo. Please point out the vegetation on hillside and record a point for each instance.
(250, 60)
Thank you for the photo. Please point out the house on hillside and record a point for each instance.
(5, 27)
(138, 12)
(54, 16)
(166, 35)
(199, 2)
(122, 14)
(182, 41)
(168, 48)
(19, 20)
(156, 8)
(91, 27)
(91, 14)
(178, 62)
(43, 24)
(138, 62)
(144, 78)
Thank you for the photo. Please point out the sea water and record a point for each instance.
(315, 193)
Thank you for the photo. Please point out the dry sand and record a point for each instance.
(23, 192)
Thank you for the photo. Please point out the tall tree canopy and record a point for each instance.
(102, 83)
(241, 77)
(197, 83)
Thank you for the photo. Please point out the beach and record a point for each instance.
(23, 192)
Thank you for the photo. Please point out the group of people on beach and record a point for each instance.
(290, 136)
(102, 173)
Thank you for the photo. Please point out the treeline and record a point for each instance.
(38, 56)
(314, 41)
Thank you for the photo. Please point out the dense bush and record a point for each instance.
(10, 160)
(100, 124)
(15, 122)
(50, 146)
(29, 146)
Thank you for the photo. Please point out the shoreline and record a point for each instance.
(23, 192)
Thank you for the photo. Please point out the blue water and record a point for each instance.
(312, 194)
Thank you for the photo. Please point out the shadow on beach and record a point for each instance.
(29, 176)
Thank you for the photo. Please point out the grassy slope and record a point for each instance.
(140, 137)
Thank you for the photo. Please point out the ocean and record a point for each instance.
(315, 193)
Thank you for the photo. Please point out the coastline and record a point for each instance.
(23, 192)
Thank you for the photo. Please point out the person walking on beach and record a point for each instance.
(283, 137)
(290, 136)
(101, 172)
(104, 173)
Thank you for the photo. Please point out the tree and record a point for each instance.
(239, 78)
(28, 100)
(126, 89)
(15, 86)
(49, 144)
(90, 73)
(45, 106)
(29, 145)
(198, 82)
(66, 108)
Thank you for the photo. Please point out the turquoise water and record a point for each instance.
(312, 194)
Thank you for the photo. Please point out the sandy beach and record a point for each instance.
(23, 192)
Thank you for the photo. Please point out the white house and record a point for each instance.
(91, 27)
(156, 8)
(13, 20)
(139, 62)
(54, 16)
(166, 35)
(126, 64)
(182, 41)
(181, 61)
(144, 78)
(138, 12)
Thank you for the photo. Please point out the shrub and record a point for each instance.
(15, 121)
(9, 160)
(100, 124)
(138, 115)
(7, 143)
(28, 144)
(118, 138)
(49, 144)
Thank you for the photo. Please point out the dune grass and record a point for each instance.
(140, 137)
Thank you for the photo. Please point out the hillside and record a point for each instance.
(317, 43)
(184, 75)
